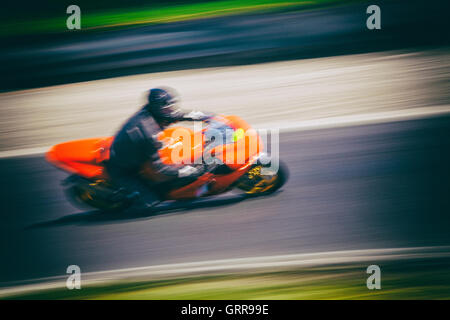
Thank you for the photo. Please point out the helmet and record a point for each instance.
(163, 105)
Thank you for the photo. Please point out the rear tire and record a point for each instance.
(96, 194)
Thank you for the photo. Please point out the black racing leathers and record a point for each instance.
(136, 143)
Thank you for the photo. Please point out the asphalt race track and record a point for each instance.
(373, 186)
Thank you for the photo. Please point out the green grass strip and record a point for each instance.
(411, 280)
(155, 14)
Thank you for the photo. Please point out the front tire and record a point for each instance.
(255, 183)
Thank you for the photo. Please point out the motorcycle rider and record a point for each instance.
(136, 143)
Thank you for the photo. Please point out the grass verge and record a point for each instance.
(105, 18)
(418, 279)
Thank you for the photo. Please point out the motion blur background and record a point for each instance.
(364, 120)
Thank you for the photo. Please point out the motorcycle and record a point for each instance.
(240, 166)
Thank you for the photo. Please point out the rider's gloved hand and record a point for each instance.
(198, 115)
(190, 171)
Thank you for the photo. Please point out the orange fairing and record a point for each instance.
(82, 157)
(216, 183)
(180, 145)
(183, 146)
(235, 155)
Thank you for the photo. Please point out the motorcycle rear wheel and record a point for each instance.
(97, 194)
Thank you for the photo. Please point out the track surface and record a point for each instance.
(283, 94)
(361, 187)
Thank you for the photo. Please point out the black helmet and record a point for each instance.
(163, 104)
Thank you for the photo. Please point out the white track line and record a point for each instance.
(23, 152)
(313, 124)
(233, 265)
(359, 119)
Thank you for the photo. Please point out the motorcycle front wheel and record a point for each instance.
(257, 182)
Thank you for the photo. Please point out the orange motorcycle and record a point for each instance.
(241, 164)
